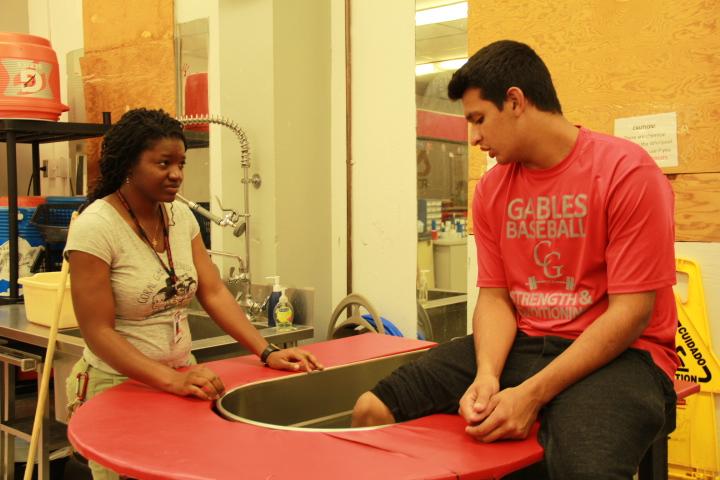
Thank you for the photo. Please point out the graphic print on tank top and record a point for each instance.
(161, 296)
(547, 228)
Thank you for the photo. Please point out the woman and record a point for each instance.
(136, 260)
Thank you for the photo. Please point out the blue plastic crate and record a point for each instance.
(74, 200)
(27, 232)
(53, 220)
(26, 229)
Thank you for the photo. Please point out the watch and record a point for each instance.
(268, 350)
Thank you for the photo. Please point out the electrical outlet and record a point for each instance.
(45, 168)
(52, 168)
(62, 167)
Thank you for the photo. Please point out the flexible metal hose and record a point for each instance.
(245, 163)
(225, 122)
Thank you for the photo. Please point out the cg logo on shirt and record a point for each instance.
(544, 258)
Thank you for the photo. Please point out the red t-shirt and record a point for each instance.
(561, 239)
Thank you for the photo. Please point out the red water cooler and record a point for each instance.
(29, 78)
(196, 99)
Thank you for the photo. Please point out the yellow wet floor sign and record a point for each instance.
(693, 448)
(693, 341)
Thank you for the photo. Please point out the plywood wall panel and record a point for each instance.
(106, 89)
(612, 59)
(697, 207)
(110, 24)
(129, 61)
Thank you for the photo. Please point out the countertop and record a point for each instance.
(450, 242)
(212, 345)
(15, 326)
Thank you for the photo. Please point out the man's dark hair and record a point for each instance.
(137, 131)
(504, 64)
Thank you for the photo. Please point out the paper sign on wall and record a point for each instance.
(657, 134)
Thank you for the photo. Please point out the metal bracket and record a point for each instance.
(27, 362)
(255, 180)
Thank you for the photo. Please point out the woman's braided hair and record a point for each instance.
(123, 143)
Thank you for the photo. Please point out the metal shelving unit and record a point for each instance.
(53, 434)
(35, 132)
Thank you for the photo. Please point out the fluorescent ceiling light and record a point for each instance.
(455, 11)
(452, 64)
(434, 67)
(424, 69)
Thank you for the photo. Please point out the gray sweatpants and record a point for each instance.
(599, 428)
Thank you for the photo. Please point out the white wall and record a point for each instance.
(241, 72)
(299, 213)
(472, 271)
(384, 171)
(303, 163)
(338, 154)
(14, 18)
(274, 76)
(60, 21)
(189, 10)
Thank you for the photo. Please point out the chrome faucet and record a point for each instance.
(231, 218)
(242, 277)
(240, 222)
(239, 227)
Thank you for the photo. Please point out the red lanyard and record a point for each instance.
(172, 279)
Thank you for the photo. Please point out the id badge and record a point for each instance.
(177, 328)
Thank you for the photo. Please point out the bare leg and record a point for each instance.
(370, 411)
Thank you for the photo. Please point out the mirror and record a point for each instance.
(442, 167)
(191, 49)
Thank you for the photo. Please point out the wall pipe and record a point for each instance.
(348, 143)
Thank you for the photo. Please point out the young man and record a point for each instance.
(575, 320)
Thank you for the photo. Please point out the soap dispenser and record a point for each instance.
(423, 287)
(273, 300)
(284, 313)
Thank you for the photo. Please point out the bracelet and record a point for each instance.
(268, 350)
